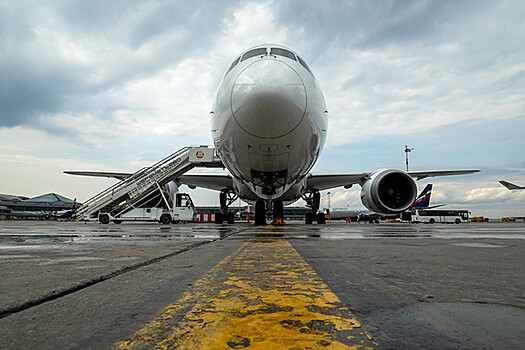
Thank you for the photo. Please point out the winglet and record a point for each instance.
(511, 186)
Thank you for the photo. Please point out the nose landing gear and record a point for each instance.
(277, 209)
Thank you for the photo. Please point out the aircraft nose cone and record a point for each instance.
(268, 99)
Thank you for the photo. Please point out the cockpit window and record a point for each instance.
(234, 63)
(303, 63)
(255, 52)
(282, 52)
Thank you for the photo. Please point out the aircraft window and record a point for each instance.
(303, 63)
(282, 52)
(255, 52)
(234, 63)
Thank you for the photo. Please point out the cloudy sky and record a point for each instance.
(118, 85)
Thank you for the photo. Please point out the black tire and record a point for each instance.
(431, 221)
(260, 213)
(165, 219)
(278, 210)
(230, 218)
(104, 219)
(457, 221)
(321, 219)
(309, 218)
(219, 219)
(118, 222)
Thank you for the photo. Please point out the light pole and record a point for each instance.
(407, 151)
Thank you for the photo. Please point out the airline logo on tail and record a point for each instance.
(423, 200)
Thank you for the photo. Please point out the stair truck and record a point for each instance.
(180, 208)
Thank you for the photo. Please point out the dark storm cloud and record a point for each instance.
(41, 74)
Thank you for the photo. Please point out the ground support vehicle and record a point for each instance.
(441, 216)
(181, 208)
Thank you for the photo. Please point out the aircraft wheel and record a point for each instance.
(260, 213)
(118, 222)
(230, 218)
(219, 218)
(308, 218)
(104, 219)
(278, 210)
(321, 219)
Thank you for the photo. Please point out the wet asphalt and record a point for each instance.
(84, 285)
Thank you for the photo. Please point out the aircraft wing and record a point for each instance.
(210, 181)
(418, 175)
(322, 182)
(326, 181)
(216, 182)
(120, 176)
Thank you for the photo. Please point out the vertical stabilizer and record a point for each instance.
(423, 200)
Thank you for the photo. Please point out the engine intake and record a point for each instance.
(388, 191)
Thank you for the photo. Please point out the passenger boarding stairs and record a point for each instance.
(140, 186)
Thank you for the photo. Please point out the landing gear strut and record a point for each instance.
(313, 200)
(226, 198)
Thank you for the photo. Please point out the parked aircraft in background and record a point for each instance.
(423, 200)
(511, 186)
(269, 125)
(68, 213)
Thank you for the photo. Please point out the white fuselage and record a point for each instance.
(269, 123)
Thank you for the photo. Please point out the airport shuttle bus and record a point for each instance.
(442, 216)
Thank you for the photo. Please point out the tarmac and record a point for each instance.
(69, 285)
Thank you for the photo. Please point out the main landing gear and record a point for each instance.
(313, 200)
(226, 198)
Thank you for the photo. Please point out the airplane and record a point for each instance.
(269, 126)
(67, 213)
(511, 186)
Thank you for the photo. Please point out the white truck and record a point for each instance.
(182, 210)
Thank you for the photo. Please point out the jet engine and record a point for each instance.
(388, 191)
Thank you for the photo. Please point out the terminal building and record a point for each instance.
(41, 207)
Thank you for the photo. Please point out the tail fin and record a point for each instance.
(423, 200)
(511, 186)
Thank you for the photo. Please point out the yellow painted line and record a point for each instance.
(263, 296)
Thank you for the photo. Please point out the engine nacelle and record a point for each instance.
(389, 191)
